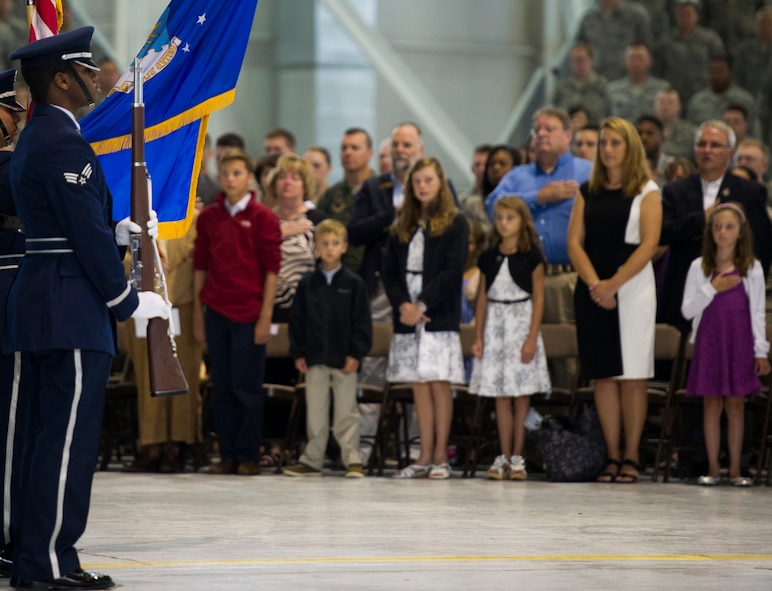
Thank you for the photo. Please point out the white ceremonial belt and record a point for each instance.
(54, 245)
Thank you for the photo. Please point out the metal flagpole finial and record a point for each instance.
(137, 69)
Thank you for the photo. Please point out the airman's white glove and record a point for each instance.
(125, 228)
(151, 305)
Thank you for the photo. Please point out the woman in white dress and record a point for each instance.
(612, 236)
(422, 275)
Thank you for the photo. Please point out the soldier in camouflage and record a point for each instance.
(633, 96)
(679, 133)
(337, 202)
(585, 87)
(710, 102)
(683, 54)
(611, 27)
(754, 55)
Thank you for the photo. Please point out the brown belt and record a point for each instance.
(558, 269)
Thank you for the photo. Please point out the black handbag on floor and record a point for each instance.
(571, 450)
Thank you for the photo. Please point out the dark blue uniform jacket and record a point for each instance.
(71, 287)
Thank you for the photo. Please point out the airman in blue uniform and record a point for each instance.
(11, 253)
(62, 308)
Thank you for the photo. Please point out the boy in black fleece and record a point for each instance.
(330, 331)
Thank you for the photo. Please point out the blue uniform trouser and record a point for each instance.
(10, 436)
(236, 365)
(11, 252)
(61, 428)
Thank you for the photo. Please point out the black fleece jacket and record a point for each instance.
(328, 323)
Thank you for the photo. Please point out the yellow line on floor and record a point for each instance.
(430, 559)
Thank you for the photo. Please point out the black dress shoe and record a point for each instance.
(77, 579)
(6, 564)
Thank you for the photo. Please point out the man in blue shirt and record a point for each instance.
(549, 186)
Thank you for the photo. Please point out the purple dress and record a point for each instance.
(723, 361)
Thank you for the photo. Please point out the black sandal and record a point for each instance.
(629, 478)
(612, 476)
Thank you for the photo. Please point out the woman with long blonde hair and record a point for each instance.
(612, 237)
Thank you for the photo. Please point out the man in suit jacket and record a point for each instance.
(686, 205)
(376, 205)
(378, 200)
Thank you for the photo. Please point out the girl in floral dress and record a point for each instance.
(422, 273)
(511, 364)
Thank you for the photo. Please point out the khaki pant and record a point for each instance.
(345, 415)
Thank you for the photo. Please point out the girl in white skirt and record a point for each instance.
(510, 363)
(422, 273)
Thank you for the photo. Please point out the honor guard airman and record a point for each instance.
(62, 308)
(11, 253)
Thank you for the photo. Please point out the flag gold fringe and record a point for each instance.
(178, 228)
(172, 124)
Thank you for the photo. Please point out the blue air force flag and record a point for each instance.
(190, 64)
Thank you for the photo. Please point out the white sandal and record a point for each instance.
(414, 471)
(440, 472)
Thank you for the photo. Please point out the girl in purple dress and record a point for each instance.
(724, 297)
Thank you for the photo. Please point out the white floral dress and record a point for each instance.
(499, 372)
(423, 356)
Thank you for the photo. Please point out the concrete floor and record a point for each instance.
(194, 531)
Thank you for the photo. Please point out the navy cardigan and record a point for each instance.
(443, 270)
(521, 266)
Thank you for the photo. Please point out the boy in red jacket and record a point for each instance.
(236, 261)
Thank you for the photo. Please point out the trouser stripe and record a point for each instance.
(66, 463)
(9, 446)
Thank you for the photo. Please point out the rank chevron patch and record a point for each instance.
(79, 178)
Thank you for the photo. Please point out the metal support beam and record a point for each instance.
(559, 19)
(522, 109)
(550, 35)
(398, 74)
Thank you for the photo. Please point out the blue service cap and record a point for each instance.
(8, 92)
(70, 46)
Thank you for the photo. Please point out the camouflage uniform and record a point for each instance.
(750, 59)
(706, 104)
(679, 141)
(570, 93)
(337, 203)
(684, 62)
(660, 14)
(609, 35)
(630, 101)
(765, 104)
(733, 20)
